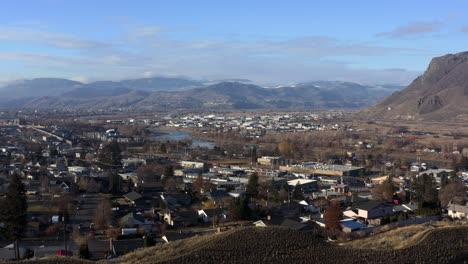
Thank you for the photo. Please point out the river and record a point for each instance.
(175, 135)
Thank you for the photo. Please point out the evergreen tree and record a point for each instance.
(167, 174)
(426, 195)
(206, 167)
(53, 152)
(14, 208)
(443, 180)
(168, 171)
(252, 185)
(254, 155)
(169, 180)
(245, 211)
(110, 156)
(83, 251)
(298, 193)
(149, 241)
(424, 189)
(163, 148)
(239, 209)
(63, 211)
(114, 183)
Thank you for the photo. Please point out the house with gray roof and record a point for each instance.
(457, 211)
(133, 197)
(374, 209)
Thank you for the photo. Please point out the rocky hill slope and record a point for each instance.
(440, 94)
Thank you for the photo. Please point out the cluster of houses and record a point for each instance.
(258, 125)
(63, 171)
(108, 136)
(253, 125)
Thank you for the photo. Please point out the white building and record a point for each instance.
(307, 185)
(191, 164)
(458, 211)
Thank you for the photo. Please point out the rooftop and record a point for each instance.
(132, 196)
(332, 167)
(300, 181)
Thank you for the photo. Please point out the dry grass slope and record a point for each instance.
(279, 245)
(398, 238)
(167, 252)
(53, 260)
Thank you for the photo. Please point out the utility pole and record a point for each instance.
(213, 220)
(16, 246)
(65, 235)
(287, 184)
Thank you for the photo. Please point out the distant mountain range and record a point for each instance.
(162, 93)
(440, 94)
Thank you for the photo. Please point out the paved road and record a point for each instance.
(85, 214)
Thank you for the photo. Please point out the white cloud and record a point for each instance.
(81, 79)
(144, 51)
(413, 29)
(58, 40)
(148, 74)
(148, 31)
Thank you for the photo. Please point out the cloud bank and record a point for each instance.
(152, 50)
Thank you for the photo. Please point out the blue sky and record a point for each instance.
(268, 42)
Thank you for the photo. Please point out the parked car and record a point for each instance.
(63, 252)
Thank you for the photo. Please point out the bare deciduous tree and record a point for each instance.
(454, 191)
(383, 191)
(103, 215)
(332, 216)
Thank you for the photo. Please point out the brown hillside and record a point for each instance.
(279, 245)
(440, 94)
